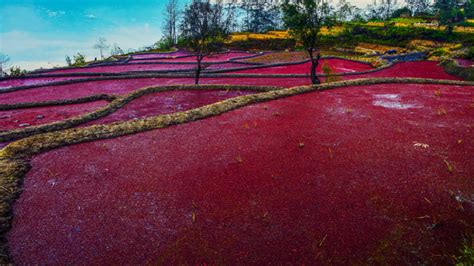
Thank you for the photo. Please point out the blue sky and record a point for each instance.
(40, 33)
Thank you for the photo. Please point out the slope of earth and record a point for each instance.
(165, 103)
(124, 86)
(376, 174)
(14, 119)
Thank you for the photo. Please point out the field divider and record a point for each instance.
(25, 105)
(116, 103)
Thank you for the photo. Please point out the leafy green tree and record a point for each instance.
(79, 59)
(449, 13)
(204, 29)
(305, 20)
(17, 72)
(469, 9)
(402, 12)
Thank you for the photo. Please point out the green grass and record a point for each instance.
(408, 20)
(467, 255)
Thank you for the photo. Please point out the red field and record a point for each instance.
(128, 85)
(369, 174)
(31, 81)
(258, 190)
(158, 55)
(13, 119)
(165, 103)
(336, 65)
(210, 58)
(465, 62)
(124, 68)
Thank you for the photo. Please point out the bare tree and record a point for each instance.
(418, 6)
(68, 60)
(116, 50)
(345, 10)
(101, 45)
(204, 29)
(4, 59)
(171, 20)
(382, 10)
(260, 16)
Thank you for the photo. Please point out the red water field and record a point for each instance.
(211, 58)
(336, 65)
(7, 83)
(20, 118)
(418, 69)
(465, 62)
(160, 55)
(367, 175)
(124, 86)
(123, 68)
(165, 103)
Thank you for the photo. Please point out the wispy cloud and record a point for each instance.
(91, 16)
(31, 51)
(54, 13)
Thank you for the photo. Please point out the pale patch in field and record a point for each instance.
(392, 101)
(346, 69)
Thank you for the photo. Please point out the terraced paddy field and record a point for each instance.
(253, 166)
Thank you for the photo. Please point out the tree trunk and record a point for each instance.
(198, 69)
(314, 65)
(449, 29)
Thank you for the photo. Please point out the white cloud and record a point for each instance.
(31, 51)
(32, 65)
(54, 14)
(91, 16)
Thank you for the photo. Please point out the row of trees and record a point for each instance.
(14, 71)
(202, 26)
(102, 46)
(205, 26)
(262, 15)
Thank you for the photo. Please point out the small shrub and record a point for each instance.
(329, 73)
(79, 60)
(467, 255)
(165, 44)
(470, 53)
(17, 72)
